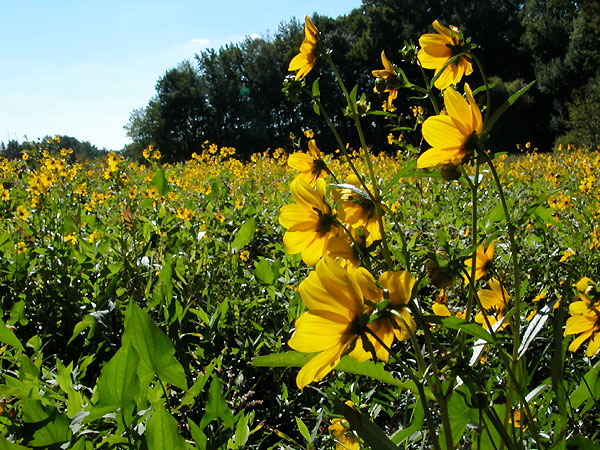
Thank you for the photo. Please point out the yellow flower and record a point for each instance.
(71, 238)
(22, 213)
(483, 261)
(398, 286)
(304, 61)
(566, 255)
(493, 301)
(310, 222)
(344, 438)
(585, 317)
(333, 323)
(244, 255)
(94, 236)
(437, 49)
(388, 74)
(21, 247)
(357, 210)
(453, 136)
(311, 166)
(309, 133)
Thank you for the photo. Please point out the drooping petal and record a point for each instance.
(458, 109)
(320, 365)
(291, 214)
(399, 285)
(579, 324)
(576, 343)
(593, 345)
(315, 249)
(300, 161)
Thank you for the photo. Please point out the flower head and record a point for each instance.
(358, 210)
(483, 261)
(438, 48)
(310, 222)
(332, 325)
(493, 301)
(453, 137)
(304, 61)
(345, 439)
(310, 165)
(386, 77)
(585, 317)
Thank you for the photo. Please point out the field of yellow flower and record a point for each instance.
(128, 288)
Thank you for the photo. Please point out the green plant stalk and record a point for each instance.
(418, 383)
(558, 362)
(487, 89)
(429, 90)
(516, 318)
(365, 155)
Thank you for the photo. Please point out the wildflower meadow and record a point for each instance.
(443, 295)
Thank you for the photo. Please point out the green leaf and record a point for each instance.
(459, 415)
(473, 329)
(346, 364)
(199, 384)
(242, 431)
(88, 321)
(5, 444)
(303, 429)
(163, 291)
(216, 407)
(416, 424)
(264, 272)
(588, 390)
(54, 427)
(160, 181)
(244, 235)
(162, 433)
(118, 382)
(8, 337)
(154, 348)
(487, 127)
(582, 443)
(197, 434)
(366, 429)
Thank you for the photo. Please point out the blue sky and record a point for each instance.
(79, 67)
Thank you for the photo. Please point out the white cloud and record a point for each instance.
(254, 36)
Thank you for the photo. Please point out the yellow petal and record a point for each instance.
(441, 132)
(458, 109)
(318, 332)
(580, 324)
(441, 310)
(320, 365)
(593, 345)
(315, 249)
(300, 161)
(437, 157)
(576, 343)
(399, 284)
(291, 214)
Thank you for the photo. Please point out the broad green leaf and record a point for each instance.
(5, 444)
(8, 337)
(242, 431)
(163, 291)
(244, 235)
(54, 426)
(473, 329)
(366, 429)
(346, 364)
(155, 349)
(459, 416)
(588, 390)
(117, 384)
(264, 272)
(160, 181)
(162, 433)
(582, 443)
(216, 407)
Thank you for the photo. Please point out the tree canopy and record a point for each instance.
(232, 96)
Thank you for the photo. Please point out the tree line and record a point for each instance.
(232, 96)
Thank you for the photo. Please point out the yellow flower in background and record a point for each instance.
(483, 261)
(310, 165)
(310, 222)
(453, 136)
(585, 317)
(332, 325)
(244, 255)
(344, 438)
(21, 247)
(22, 212)
(494, 302)
(71, 238)
(93, 237)
(438, 48)
(304, 61)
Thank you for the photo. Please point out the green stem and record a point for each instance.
(376, 198)
(487, 88)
